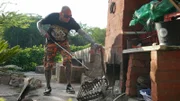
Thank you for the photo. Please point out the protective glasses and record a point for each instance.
(67, 16)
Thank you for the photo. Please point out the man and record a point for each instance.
(60, 25)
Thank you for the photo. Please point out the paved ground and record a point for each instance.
(58, 91)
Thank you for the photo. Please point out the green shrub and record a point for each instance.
(2, 99)
(29, 58)
(77, 48)
(5, 52)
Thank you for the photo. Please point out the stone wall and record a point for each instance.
(12, 79)
(9, 75)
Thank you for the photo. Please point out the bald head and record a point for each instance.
(65, 9)
(65, 14)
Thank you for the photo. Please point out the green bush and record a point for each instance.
(2, 99)
(77, 48)
(29, 58)
(5, 52)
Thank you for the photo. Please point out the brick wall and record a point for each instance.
(113, 40)
(165, 75)
(117, 24)
(138, 65)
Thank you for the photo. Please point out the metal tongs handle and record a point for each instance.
(70, 54)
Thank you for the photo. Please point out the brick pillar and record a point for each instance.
(117, 24)
(138, 65)
(165, 75)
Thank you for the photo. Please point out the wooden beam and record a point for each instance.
(177, 6)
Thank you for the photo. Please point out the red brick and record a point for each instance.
(138, 69)
(131, 83)
(154, 94)
(168, 55)
(130, 7)
(165, 76)
(153, 76)
(165, 87)
(132, 76)
(165, 91)
(131, 91)
(169, 65)
(154, 97)
(110, 55)
(153, 67)
(169, 97)
(117, 42)
(147, 64)
(166, 97)
(168, 76)
(170, 16)
(140, 56)
(136, 63)
(113, 40)
(153, 55)
(116, 26)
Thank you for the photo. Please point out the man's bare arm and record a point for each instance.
(41, 29)
(85, 35)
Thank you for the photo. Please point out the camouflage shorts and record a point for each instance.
(51, 51)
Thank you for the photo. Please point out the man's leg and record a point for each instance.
(47, 73)
(68, 72)
(69, 88)
(50, 53)
(48, 78)
(67, 63)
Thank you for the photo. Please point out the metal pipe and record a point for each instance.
(119, 96)
(70, 54)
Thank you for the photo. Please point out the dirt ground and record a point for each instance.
(58, 91)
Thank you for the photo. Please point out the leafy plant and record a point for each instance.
(2, 99)
(76, 48)
(5, 52)
(28, 58)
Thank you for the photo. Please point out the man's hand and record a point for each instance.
(94, 47)
(46, 35)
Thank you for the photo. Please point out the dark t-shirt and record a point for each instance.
(59, 30)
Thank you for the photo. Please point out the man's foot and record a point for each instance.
(47, 91)
(69, 89)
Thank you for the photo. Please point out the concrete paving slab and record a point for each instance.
(58, 91)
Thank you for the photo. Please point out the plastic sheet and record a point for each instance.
(153, 11)
(146, 93)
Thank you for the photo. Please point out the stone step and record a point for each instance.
(76, 74)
